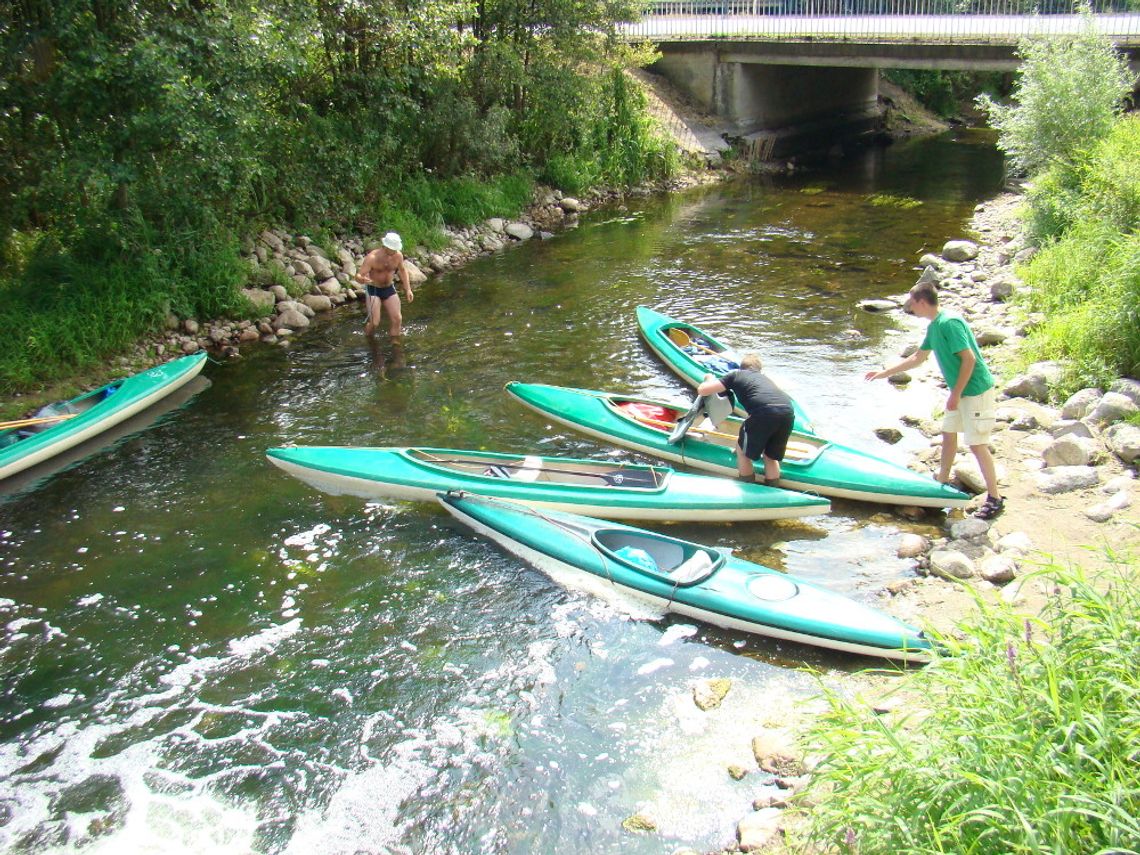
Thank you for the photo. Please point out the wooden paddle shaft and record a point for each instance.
(795, 449)
(42, 420)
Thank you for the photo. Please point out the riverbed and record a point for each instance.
(203, 654)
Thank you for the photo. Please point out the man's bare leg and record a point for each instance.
(989, 468)
(372, 305)
(744, 466)
(395, 316)
(771, 468)
(949, 449)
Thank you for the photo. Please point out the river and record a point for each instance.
(201, 654)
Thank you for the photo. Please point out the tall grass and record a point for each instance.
(1086, 279)
(70, 307)
(1028, 741)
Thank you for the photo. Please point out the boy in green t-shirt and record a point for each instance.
(970, 407)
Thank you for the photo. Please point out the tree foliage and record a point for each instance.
(1068, 93)
(162, 130)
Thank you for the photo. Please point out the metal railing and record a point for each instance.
(1001, 21)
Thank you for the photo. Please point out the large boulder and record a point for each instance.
(415, 275)
(519, 231)
(1065, 479)
(1070, 450)
(262, 300)
(317, 302)
(1113, 407)
(1035, 382)
(960, 250)
(951, 564)
(1123, 440)
(1081, 403)
(292, 319)
(1128, 387)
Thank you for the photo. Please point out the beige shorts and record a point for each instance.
(974, 418)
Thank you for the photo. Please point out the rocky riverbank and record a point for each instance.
(1068, 473)
(306, 281)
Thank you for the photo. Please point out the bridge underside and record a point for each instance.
(780, 109)
(791, 96)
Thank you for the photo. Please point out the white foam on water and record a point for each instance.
(308, 538)
(655, 665)
(366, 806)
(265, 640)
(184, 824)
(676, 633)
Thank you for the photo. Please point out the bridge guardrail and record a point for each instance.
(1001, 21)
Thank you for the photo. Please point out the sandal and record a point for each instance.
(990, 508)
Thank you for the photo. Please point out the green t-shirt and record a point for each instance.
(948, 335)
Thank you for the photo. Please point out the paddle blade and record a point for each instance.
(678, 336)
(686, 421)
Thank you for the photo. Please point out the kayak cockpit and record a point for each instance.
(673, 561)
(530, 468)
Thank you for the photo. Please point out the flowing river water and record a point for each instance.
(201, 654)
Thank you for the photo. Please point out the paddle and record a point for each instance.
(615, 478)
(798, 452)
(686, 421)
(37, 421)
(682, 339)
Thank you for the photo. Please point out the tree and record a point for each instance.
(1069, 91)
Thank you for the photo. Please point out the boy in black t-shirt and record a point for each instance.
(766, 431)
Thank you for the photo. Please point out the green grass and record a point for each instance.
(1029, 740)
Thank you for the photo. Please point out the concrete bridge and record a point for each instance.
(790, 75)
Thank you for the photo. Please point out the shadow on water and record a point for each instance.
(202, 653)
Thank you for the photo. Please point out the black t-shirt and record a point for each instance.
(756, 393)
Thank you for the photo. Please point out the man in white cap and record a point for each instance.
(377, 273)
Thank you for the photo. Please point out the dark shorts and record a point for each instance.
(768, 435)
(383, 293)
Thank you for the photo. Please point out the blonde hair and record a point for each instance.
(751, 361)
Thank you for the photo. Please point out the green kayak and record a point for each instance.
(812, 464)
(597, 487)
(687, 578)
(692, 353)
(62, 426)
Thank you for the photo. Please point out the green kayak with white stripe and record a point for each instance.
(601, 488)
(62, 426)
(813, 464)
(692, 353)
(687, 578)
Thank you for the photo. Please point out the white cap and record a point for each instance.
(393, 242)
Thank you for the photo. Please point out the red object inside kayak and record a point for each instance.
(648, 412)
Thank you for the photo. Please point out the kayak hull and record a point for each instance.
(98, 411)
(598, 488)
(729, 592)
(813, 464)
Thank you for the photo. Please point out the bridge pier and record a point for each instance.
(779, 109)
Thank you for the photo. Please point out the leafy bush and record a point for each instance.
(1068, 94)
(1027, 740)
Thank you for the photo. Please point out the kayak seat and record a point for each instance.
(696, 567)
(531, 471)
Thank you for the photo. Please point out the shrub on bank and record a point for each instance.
(1066, 132)
(1086, 278)
(1026, 740)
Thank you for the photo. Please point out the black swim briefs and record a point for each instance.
(383, 293)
